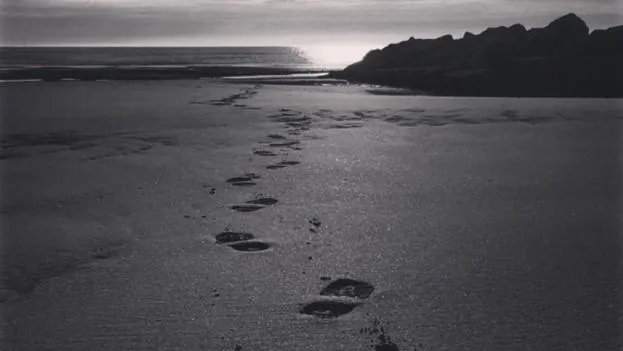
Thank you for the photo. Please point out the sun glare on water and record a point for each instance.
(336, 55)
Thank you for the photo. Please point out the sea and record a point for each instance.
(37, 57)
(102, 63)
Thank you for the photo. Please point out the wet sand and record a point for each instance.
(203, 215)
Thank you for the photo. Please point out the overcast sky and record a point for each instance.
(276, 22)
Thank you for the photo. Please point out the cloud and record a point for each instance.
(263, 22)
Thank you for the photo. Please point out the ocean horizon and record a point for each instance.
(20, 57)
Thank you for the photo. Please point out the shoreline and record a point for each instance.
(150, 72)
(248, 75)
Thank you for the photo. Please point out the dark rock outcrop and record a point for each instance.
(561, 59)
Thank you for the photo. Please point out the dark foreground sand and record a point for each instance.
(197, 215)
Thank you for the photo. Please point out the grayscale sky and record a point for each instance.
(347, 25)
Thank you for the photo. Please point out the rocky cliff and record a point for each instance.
(562, 59)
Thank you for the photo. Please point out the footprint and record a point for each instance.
(246, 208)
(395, 118)
(283, 164)
(244, 178)
(328, 309)
(276, 136)
(285, 143)
(294, 119)
(299, 125)
(315, 222)
(345, 126)
(435, 123)
(277, 166)
(250, 246)
(266, 201)
(264, 153)
(348, 288)
(230, 237)
(104, 252)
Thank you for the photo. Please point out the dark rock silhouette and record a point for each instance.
(561, 59)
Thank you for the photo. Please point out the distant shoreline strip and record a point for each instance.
(158, 73)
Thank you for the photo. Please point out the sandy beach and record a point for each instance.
(210, 215)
